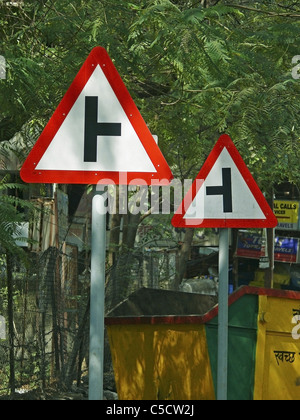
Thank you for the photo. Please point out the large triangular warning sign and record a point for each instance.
(224, 194)
(96, 134)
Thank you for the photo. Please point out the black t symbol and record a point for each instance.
(93, 128)
(224, 190)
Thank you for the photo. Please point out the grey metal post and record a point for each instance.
(97, 297)
(223, 315)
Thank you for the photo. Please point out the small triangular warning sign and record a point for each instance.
(224, 194)
(96, 134)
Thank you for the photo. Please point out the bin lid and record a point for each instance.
(153, 302)
(154, 306)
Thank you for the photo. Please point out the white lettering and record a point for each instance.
(138, 203)
(2, 328)
(2, 67)
(115, 409)
(295, 74)
(295, 334)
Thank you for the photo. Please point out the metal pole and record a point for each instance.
(97, 297)
(223, 315)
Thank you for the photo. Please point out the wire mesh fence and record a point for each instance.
(47, 322)
(44, 335)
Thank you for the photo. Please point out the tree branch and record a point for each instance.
(266, 12)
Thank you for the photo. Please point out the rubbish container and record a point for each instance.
(168, 349)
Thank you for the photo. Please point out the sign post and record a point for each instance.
(96, 136)
(224, 195)
(97, 297)
(223, 314)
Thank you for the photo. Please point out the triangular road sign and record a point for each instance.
(96, 134)
(224, 194)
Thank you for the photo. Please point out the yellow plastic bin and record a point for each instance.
(175, 356)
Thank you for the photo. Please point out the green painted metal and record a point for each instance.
(242, 335)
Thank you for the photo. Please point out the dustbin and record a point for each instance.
(164, 345)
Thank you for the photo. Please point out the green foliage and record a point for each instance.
(229, 70)
(195, 70)
(13, 212)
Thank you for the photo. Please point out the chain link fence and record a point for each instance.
(44, 337)
(48, 323)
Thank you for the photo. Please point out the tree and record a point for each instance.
(11, 219)
(194, 69)
(229, 67)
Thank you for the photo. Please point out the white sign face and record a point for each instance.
(224, 186)
(112, 140)
(96, 134)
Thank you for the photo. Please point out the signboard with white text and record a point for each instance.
(250, 246)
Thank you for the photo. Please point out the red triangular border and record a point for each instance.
(28, 172)
(178, 218)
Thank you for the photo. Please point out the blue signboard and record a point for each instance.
(285, 249)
